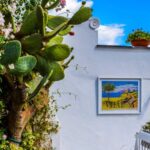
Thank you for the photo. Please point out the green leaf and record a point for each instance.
(44, 2)
(29, 25)
(44, 68)
(58, 71)
(27, 12)
(55, 31)
(12, 20)
(45, 18)
(55, 40)
(65, 31)
(57, 52)
(82, 15)
(12, 51)
(55, 21)
(55, 4)
(2, 69)
(41, 19)
(2, 39)
(41, 84)
(32, 44)
(24, 65)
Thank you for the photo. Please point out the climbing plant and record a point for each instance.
(32, 58)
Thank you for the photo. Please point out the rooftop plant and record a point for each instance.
(138, 34)
(146, 127)
(32, 58)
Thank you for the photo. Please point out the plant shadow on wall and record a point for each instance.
(32, 58)
(57, 94)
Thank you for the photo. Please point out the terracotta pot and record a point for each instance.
(144, 43)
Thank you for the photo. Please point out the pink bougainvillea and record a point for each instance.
(63, 3)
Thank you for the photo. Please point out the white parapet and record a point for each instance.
(142, 141)
(56, 141)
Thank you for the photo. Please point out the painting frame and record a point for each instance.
(133, 111)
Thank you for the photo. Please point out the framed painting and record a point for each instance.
(119, 96)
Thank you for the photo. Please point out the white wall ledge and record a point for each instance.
(122, 47)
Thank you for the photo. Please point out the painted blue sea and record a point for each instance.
(104, 94)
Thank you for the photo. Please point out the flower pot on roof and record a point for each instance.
(139, 38)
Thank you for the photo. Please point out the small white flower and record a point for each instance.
(7, 31)
(12, 8)
(4, 137)
(11, 66)
(2, 21)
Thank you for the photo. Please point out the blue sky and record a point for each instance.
(118, 18)
(126, 14)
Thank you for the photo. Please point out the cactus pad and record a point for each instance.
(42, 66)
(32, 44)
(55, 40)
(57, 52)
(24, 65)
(29, 25)
(55, 21)
(82, 15)
(12, 51)
(65, 31)
(58, 71)
(41, 19)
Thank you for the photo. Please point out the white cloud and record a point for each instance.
(121, 88)
(72, 6)
(110, 34)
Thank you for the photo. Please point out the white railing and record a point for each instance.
(142, 141)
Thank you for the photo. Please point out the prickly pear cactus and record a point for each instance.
(32, 58)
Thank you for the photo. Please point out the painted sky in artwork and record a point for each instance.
(120, 87)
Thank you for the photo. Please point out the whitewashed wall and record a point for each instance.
(81, 128)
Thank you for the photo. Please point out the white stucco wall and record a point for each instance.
(81, 128)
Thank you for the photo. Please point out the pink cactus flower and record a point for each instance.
(63, 3)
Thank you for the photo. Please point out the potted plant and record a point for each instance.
(32, 58)
(146, 127)
(139, 38)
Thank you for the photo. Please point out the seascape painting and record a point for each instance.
(119, 95)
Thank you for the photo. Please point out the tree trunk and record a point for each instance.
(21, 112)
(17, 121)
(108, 96)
